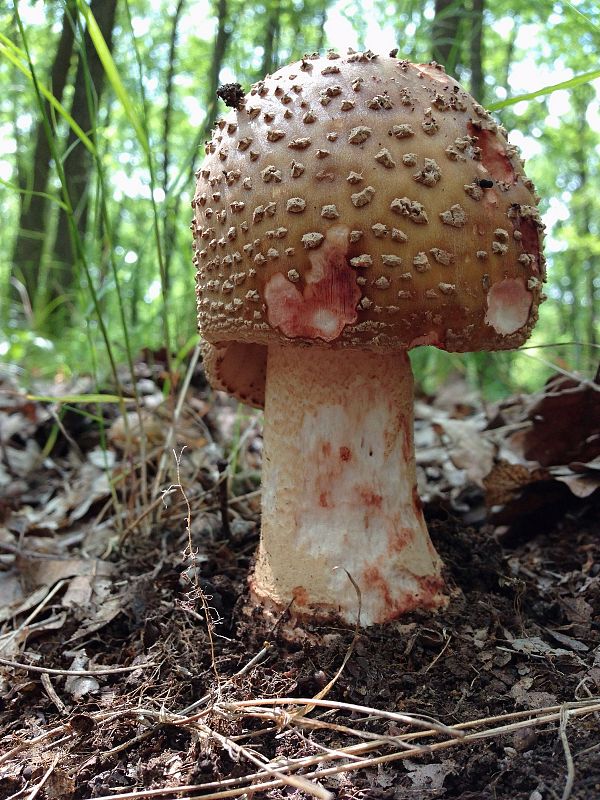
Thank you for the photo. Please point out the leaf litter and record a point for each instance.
(133, 665)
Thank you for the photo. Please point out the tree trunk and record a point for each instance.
(445, 40)
(585, 311)
(271, 40)
(220, 47)
(77, 164)
(170, 205)
(476, 50)
(29, 243)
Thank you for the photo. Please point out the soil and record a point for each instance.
(519, 641)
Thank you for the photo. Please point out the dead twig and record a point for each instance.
(85, 672)
(562, 728)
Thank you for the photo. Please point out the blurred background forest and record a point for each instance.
(104, 108)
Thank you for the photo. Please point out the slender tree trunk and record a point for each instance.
(584, 324)
(510, 51)
(219, 49)
(78, 162)
(445, 45)
(171, 206)
(271, 40)
(321, 20)
(476, 50)
(29, 243)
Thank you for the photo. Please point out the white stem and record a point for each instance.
(339, 488)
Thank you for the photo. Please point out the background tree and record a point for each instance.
(29, 242)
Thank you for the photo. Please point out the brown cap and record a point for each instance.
(365, 202)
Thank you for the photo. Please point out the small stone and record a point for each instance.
(355, 236)
(293, 275)
(354, 177)
(499, 249)
(391, 260)
(481, 254)
(398, 235)
(275, 135)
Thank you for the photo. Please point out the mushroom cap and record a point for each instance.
(366, 202)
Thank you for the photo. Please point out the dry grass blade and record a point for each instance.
(77, 672)
(405, 719)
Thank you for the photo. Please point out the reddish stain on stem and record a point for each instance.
(370, 499)
(345, 454)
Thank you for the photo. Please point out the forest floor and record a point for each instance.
(133, 665)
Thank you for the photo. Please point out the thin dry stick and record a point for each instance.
(176, 414)
(564, 718)
(406, 719)
(193, 564)
(296, 781)
(49, 671)
(51, 692)
(34, 613)
(223, 484)
(36, 789)
(326, 689)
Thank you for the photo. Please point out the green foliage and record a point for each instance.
(131, 285)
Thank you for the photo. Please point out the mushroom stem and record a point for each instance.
(339, 488)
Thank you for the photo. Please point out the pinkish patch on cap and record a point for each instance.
(509, 304)
(329, 298)
(493, 155)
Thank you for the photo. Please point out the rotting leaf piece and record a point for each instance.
(424, 232)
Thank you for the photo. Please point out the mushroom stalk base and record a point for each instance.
(339, 489)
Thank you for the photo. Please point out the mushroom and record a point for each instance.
(348, 210)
